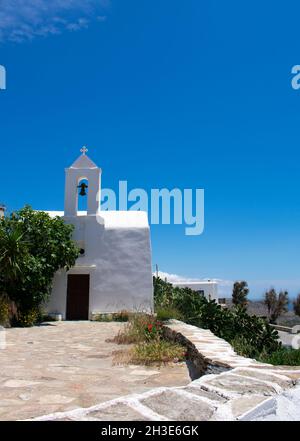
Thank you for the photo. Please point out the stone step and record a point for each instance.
(179, 407)
(233, 385)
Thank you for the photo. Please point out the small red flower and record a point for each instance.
(150, 327)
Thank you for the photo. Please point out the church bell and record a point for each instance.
(83, 188)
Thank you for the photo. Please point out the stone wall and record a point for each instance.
(197, 363)
(215, 355)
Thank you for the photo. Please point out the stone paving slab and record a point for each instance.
(180, 407)
(274, 377)
(245, 389)
(118, 412)
(284, 407)
(204, 394)
(68, 365)
(242, 405)
(237, 385)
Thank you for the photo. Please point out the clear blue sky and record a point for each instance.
(165, 94)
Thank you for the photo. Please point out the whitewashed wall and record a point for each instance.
(118, 259)
(210, 288)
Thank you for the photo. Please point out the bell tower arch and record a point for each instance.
(82, 169)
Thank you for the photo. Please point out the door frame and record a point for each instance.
(78, 274)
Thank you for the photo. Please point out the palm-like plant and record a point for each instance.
(13, 252)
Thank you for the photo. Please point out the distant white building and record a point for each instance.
(113, 272)
(207, 288)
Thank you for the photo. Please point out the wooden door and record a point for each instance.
(78, 297)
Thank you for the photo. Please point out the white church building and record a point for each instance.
(113, 271)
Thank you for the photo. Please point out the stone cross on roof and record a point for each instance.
(84, 150)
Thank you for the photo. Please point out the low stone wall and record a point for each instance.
(198, 363)
(282, 328)
(212, 354)
(243, 390)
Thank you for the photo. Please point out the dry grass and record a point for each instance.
(134, 330)
(150, 347)
(158, 351)
(148, 353)
(122, 356)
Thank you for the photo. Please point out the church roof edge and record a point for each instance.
(83, 161)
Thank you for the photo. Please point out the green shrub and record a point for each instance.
(166, 313)
(283, 356)
(244, 348)
(33, 246)
(28, 318)
(251, 334)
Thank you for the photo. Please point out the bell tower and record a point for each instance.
(82, 169)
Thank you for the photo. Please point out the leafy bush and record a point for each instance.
(33, 246)
(184, 301)
(28, 318)
(167, 313)
(244, 348)
(283, 356)
(251, 334)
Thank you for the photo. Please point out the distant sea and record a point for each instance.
(261, 299)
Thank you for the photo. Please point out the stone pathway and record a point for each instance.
(284, 407)
(232, 388)
(69, 365)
